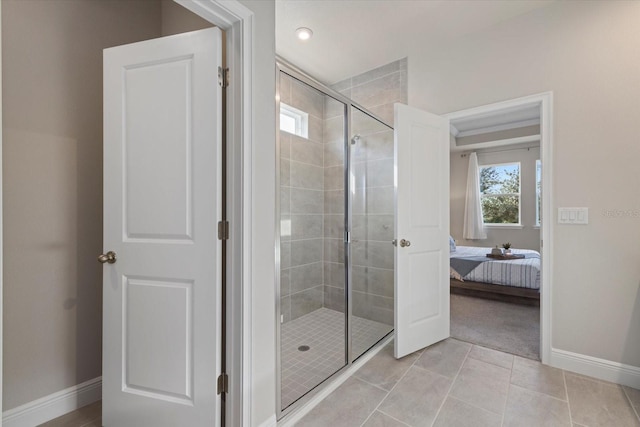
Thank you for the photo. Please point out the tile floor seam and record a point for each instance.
(431, 372)
(491, 363)
(539, 393)
(624, 390)
(446, 396)
(393, 418)
(367, 382)
(566, 392)
(472, 405)
(506, 401)
(389, 392)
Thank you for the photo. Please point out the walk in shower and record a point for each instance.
(335, 257)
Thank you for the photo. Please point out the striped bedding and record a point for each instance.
(521, 273)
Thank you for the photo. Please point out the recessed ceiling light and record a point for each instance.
(304, 33)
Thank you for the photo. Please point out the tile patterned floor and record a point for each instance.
(323, 331)
(456, 384)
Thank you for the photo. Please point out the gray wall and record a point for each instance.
(52, 160)
(526, 237)
(587, 54)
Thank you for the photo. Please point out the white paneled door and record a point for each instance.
(422, 229)
(162, 201)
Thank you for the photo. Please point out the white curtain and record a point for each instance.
(473, 221)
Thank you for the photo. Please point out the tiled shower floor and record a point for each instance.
(323, 332)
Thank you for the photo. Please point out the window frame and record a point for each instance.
(300, 117)
(518, 194)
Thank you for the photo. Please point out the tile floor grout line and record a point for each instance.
(393, 418)
(539, 393)
(630, 402)
(367, 382)
(566, 391)
(506, 401)
(466, 356)
(392, 388)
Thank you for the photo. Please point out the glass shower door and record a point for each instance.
(312, 298)
(371, 188)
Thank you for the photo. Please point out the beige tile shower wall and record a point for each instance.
(373, 200)
(301, 205)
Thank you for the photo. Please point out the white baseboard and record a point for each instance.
(602, 369)
(54, 405)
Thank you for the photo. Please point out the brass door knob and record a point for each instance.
(109, 257)
(404, 243)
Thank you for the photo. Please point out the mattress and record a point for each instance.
(520, 273)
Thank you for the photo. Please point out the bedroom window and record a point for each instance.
(500, 193)
(294, 121)
(538, 192)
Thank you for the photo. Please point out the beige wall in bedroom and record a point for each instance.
(588, 54)
(526, 237)
(176, 19)
(52, 189)
(52, 159)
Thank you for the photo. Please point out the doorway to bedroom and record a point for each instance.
(496, 226)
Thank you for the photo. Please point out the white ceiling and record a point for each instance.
(354, 36)
(508, 118)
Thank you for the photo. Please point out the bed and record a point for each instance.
(516, 280)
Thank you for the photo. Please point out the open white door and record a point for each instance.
(161, 308)
(422, 229)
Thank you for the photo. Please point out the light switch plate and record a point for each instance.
(578, 216)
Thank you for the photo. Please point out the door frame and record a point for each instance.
(238, 23)
(1, 236)
(545, 102)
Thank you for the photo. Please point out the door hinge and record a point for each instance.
(223, 230)
(223, 77)
(223, 383)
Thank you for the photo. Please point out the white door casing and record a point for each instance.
(161, 299)
(422, 219)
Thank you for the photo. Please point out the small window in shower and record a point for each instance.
(294, 121)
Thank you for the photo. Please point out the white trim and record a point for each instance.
(602, 369)
(54, 405)
(548, 207)
(238, 23)
(454, 147)
(1, 232)
(497, 128)
(294, 417)
(505, 226)
(545, 102)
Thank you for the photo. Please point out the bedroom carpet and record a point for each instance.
(507, 327)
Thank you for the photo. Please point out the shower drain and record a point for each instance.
(303, 348)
